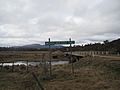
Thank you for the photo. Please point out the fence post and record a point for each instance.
(50, 58)
(13, 67)
(72, 67)
(27, 66)
(39, 84)
(1, 66)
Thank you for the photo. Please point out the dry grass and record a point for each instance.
(90, 74)
(8, 56)
(17, 81)
(19, 55)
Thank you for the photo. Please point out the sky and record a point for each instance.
(34, 21)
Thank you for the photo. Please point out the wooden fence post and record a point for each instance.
(71, 59)
(27, 66)
(38, 82)
(13, 67)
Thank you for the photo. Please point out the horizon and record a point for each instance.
(76, 43)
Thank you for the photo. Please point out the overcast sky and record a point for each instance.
(34, 21)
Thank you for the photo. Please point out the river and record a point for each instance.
(35, 63)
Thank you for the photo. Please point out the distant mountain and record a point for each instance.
(37, 46)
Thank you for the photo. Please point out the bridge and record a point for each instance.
(93, 53)
(77, 55)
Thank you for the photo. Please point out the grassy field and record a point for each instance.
(8, 56)
(22, 55)
(91, 73)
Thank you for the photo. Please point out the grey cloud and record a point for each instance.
(37, 20)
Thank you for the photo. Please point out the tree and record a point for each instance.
(106, 41)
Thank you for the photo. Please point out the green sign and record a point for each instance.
(59, 42)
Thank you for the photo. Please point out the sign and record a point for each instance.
(59, 42)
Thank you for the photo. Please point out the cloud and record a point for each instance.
(33, 21)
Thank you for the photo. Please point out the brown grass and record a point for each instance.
(90, 74)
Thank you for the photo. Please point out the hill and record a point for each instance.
(105, 46)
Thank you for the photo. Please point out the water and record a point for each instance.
(60, 62)
(35, 63)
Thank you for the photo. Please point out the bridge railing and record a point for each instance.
(93, 53)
